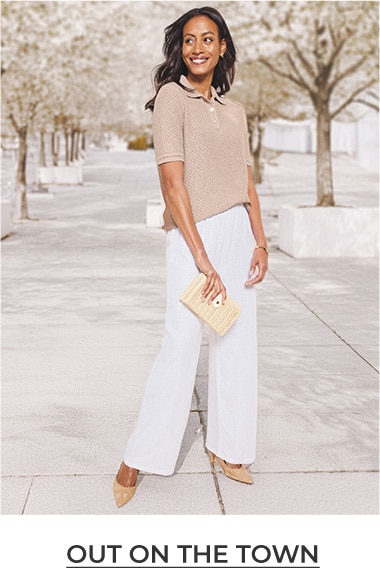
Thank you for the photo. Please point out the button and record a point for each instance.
(212, 109)
(215, 120)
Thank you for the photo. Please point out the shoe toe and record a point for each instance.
(122, 494)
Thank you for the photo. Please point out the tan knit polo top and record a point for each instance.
(210, 137)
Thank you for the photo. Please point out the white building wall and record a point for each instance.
(288, 136)
(343, 137)
(367, 141)
(360, 139)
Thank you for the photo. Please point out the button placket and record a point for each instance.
(213, 115)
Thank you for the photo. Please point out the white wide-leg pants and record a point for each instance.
(232, 398)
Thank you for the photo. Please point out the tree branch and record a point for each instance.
(351, 99)
(14, 123)
(297, 72)
(335, 53)
(281, 73)
(266, 24)
(317, 51)
(332, 34)
(348, 71)
(32, 110)
(373, 95)
(307, 65)
(367, 103)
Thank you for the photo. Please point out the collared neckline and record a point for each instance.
(196, 95)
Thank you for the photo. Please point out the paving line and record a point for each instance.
(265, 472)
(323, 321)
(213, 471)
(27, 497)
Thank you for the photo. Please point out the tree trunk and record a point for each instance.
(52, 144)
(83, 145)
(72, 149)
(42, 150)
(67, 148)
(21, 205)
(55, 148)
(325, 191)
(255, 135)
(257, 162)
(77, 135)
(251, 129)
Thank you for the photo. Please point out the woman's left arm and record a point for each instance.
(259, 262)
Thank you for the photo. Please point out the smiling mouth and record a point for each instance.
(198, 60)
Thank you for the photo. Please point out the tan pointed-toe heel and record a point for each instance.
(122, 494)
(241, 473)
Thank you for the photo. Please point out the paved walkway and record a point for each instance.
(83, 316)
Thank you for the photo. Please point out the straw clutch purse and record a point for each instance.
(218, 316)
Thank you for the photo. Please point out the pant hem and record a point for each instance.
(143, 469)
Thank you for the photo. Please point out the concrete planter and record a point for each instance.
(5, 218)
(154, 211)
(61, 175)
(322, 232)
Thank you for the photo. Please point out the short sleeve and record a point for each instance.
(168, 120)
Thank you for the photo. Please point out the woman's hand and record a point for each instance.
(259, 266)
(213, 285)
(259, 262)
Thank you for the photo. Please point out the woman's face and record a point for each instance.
(201, 46)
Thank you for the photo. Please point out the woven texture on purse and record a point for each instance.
(218, 316)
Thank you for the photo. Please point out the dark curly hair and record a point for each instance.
(173, 66)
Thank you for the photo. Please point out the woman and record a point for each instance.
(214, 226)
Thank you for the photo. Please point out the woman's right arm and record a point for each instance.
(178, 202)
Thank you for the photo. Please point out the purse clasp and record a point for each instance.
(217, 302)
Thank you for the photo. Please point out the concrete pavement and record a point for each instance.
(83, 308)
